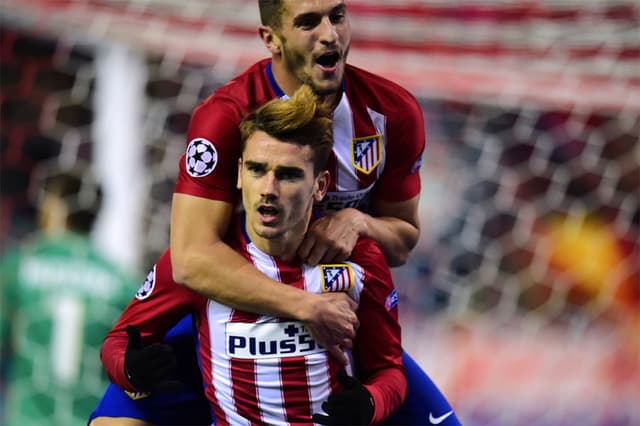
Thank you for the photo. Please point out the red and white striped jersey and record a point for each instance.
(378, 129)
(266, 370)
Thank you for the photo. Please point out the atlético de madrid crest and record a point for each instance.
(336, 278)
(366, 153)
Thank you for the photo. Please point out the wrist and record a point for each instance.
(359, 221)
(304, 307)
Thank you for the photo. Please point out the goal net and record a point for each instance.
(522, 299)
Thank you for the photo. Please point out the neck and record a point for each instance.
(285, 246)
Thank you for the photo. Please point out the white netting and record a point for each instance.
(507, 50)
(522, 297)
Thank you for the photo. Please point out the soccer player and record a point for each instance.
(59, 297)
(374, 192)
(262, 369)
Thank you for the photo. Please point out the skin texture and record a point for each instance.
(279, 189)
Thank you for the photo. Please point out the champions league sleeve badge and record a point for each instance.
(201, 157)
(146, 288)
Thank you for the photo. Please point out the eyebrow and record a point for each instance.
(279, 169)
(249, 163)
(299, 19)
(296, 171)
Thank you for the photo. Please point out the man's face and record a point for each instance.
(315, 38)
(278, 187)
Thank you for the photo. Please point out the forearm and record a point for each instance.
(388, 389)
(396, 228)
(218, 272)
(112, 357)
(395, 237)
(202, 261)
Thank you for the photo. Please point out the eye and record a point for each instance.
(289, 174)
(307, 22)
(337, 18)
(254, 169)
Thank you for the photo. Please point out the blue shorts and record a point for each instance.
(424, 404)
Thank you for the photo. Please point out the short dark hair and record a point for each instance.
(81, 193)
(300, 119)
(271, 12)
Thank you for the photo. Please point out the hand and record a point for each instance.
(148, 368)
(351, 405)
(331, 238)
(332, 323)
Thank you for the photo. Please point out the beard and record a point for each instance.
(298, 65)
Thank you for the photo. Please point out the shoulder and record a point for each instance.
(377, 278)
(241, 94)
(368, 254)
(377, 90)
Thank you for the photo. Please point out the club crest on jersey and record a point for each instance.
(366, 153)
(201, 157)
(147, 287)
(336, 278)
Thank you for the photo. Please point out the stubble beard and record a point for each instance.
(298, 65)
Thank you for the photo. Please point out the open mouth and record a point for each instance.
(328, 60)
(267, 211)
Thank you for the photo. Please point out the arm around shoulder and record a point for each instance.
(202, 261)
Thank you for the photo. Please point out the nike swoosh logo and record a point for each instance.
(438, 420)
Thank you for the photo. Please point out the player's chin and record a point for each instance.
(326, 82)
(268, 230)
(326, 87)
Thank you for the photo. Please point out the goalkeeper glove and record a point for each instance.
(149, 368)
(352, 405)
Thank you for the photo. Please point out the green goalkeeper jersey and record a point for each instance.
(59, 299)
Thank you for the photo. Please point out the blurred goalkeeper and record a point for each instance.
(374, 191)
(59, 296)
(261, 369)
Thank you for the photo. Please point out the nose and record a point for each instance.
(327, 32)
(269, 186)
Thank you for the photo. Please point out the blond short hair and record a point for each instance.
(300, 119)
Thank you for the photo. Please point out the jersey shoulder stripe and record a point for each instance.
(377, 92)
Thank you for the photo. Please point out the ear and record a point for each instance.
(239, 180)
(270, 39)
(322, 185)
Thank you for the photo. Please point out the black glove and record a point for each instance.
(149, 368)
(352, 405)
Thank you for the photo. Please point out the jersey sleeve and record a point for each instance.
(158, 305)
(378, 348)
(208, 167)
(400, 180)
